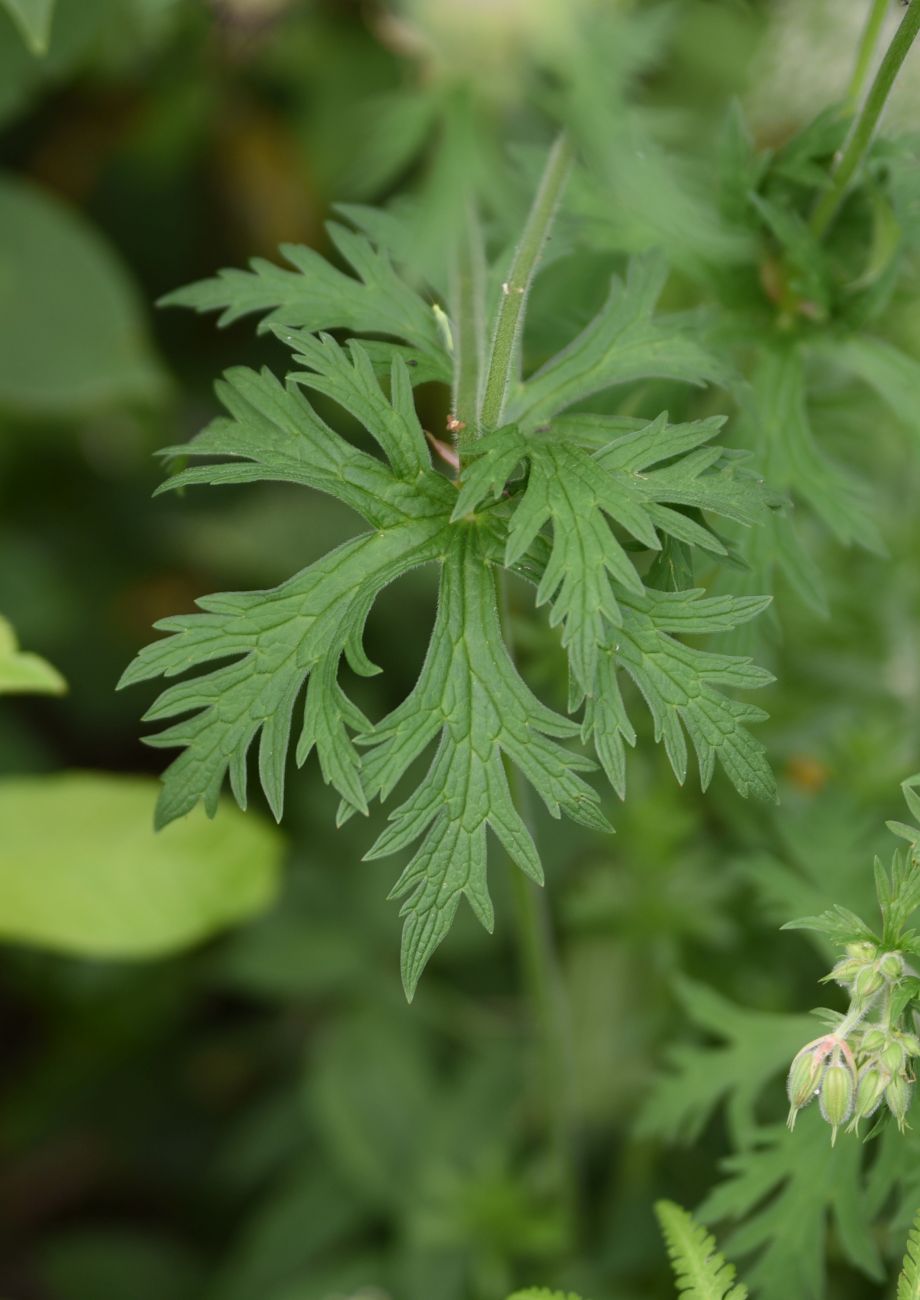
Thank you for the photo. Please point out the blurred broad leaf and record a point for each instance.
(85, 1264)
(890, 372)
(33, 18)
(72, 335)
(82, 870)
(74, 35)
(375, 1122)
(306, 1216)
(22, 673)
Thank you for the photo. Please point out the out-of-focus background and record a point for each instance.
(238, 1104)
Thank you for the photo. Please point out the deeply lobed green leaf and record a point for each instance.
(785, 1192)
(624, 342)
(276, 639)
(750, 1048)
(316, 296)
(471, 699)
(597, 494)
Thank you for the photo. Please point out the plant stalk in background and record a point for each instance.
(864, 127)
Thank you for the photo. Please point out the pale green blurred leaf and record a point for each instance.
(541, 1293)
(22, 673)
(305, 1216)
(72, 334)
(376, 1122)
(33, 18)
(82, 870)
(893, 374)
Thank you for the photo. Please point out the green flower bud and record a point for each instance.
(863, 951)
(892, 1057)
(870, 1089)
(845, 971)
(838, 1088)
(873, 1041)
(867, 983)
(892, 966)
(911, 1044)
(898, 1095)
(804, 1079)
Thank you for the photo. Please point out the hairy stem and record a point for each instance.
(467, 310)
(506, 336)
(864, 54)
(864, 128)
(543, 979)
(536, 946)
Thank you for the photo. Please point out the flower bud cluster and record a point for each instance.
(865, 972)
(866, 1061)
(825, 1068)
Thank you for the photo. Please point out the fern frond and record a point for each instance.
(909, 1281)
(700, 1271)
(543, 1293)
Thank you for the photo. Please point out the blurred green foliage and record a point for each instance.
(262, 1118)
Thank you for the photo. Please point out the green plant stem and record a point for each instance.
(543, 980)
(864, 128)
(867, 43)
(467, 310)
(506, 336)
(538, 957)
